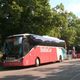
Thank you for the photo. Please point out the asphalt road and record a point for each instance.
(67, 70)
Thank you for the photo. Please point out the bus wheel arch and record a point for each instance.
(37, 61)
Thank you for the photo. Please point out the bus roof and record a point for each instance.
(25, 34)
(38, 37)
(54, 39)
(48, 38)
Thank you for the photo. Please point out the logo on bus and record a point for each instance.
(45, 49)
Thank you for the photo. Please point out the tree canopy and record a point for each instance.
(36, 16)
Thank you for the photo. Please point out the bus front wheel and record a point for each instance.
(37, 62)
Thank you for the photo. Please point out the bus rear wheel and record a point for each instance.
(37, 62)
(60, 58)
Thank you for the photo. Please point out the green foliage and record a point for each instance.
(36, 16)
(25, 16)
(65, 24)
(55, 32)
(69, 35)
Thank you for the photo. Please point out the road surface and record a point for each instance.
(67, 70)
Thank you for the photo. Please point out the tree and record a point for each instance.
(35, 17)
(20, 16)
(59, 21)
(64, 24)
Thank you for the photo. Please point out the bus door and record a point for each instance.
(26, 52)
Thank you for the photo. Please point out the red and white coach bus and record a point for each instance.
(31, 49)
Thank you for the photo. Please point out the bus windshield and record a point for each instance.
(12, 46)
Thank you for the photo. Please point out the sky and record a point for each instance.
(69, 5)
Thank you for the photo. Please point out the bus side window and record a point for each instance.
(26, 46)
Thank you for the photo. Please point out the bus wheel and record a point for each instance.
(37, 62)
(60, 58)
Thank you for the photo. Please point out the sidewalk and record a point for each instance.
(72, 60)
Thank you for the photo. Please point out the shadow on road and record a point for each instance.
(19, 77)
(66, 72)
(13, 68)
(18, 68)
